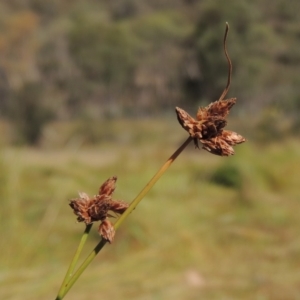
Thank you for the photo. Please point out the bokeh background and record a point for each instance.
(88, 90)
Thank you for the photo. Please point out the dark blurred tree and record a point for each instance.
(28, 113)
(263, 44)
(124, 9)
(60, 77)
(103, 52)
(105, 56)
(4, 92)
(160, 38)
(135, 56)
(205, 46)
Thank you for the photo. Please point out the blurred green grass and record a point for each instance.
(211, 228)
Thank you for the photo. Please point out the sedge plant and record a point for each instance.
(207, 128)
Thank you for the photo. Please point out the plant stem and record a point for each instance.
(80, 270)
(150, 184)
(68, 275)
(131, 207)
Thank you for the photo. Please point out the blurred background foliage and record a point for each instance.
(88, 90)
(128, 58)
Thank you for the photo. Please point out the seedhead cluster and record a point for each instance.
(98, 208)
(208, 127)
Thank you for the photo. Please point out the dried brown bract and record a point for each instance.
(106, 230)
(97, 208)
(208, 127)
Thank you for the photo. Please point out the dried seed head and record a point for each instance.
(211, 120)
(208, 128)
(89, 210)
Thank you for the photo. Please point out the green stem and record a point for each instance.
(68, 275)
(131, 207)
(150, 184)
(80, 270)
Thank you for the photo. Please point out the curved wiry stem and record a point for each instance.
(229, 64)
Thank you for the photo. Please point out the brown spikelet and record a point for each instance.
(187, 122)
(222, 143)
(219, 109)
(218, 146)
(108, 187)
(106, 230)
(118, 206)
(232, 138)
